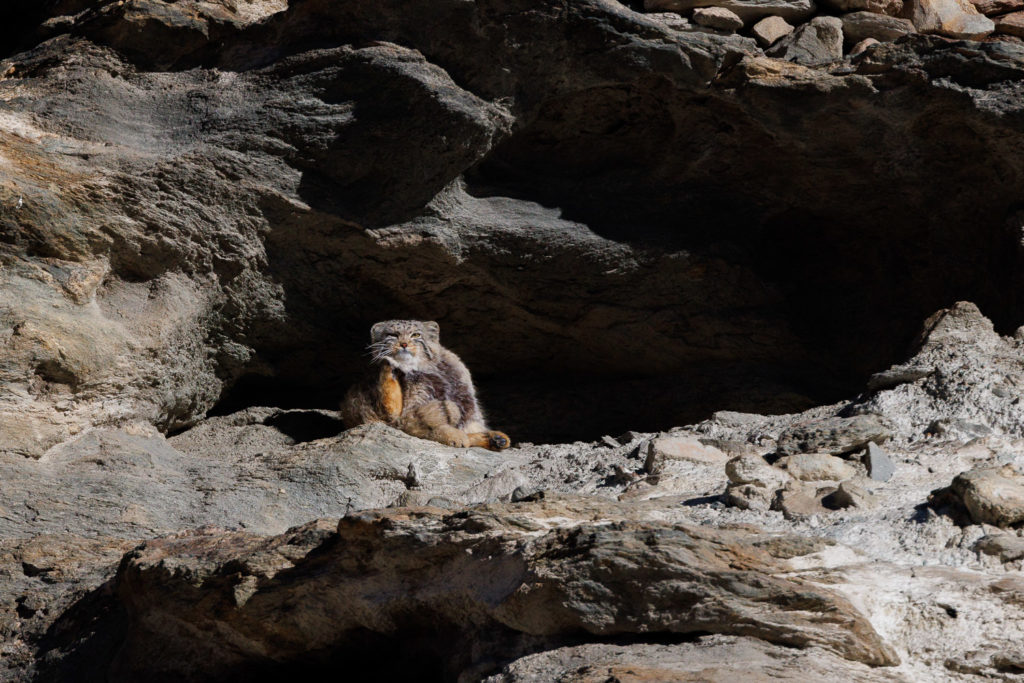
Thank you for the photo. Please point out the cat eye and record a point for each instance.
(416, 335)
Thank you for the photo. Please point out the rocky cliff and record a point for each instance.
(717, 242)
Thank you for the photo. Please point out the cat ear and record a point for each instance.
(433, 330)
(377, 331)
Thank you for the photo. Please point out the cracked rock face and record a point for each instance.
(628, 226)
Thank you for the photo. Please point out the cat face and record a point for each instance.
(406, 344)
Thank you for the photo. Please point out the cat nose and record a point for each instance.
(404, 345)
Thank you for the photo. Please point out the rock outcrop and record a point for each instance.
(622, 220)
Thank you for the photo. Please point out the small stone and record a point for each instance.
(991, 7)
(863, 45)
(680, 448)
(767, 32)
(856, 27)
(849, 495)
(880, 465)
(752, 469)
(797, 501)
(1011, 24)
(816, 467)
(717, 17)
(1007, 547)
(834, 435)
(731, 418)
(749, 497)
(897, 374)
(521, 493)
(950, 18)
(817, 42)
(610, 442)
(992, 495)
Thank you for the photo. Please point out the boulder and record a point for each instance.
(817, 42)
(718, 18)
(992, 7)
(950, 18)
(770, 29)
(1007, 547)
(816, 467)
(834, 435)
(860, 25)
(992, 495)
(680, 448)
(1011, 24)
(863, 45)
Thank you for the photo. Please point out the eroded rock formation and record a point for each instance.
(621, 220)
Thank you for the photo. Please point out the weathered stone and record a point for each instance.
(670, 20)
(680, 448)
(769, 30)
(1011, 24)
(834, 435)
(542, 569)
(816, 467)
(897, 374)
(752, 469)
(992, 495)
(856, 27)
(717, 17)
(817, 42)
(863, 45)
(890, 7)
(849, 495)
(879, 464)
(992, 7)
(798, 501)
(712, 659)
(747, 10)
(1007, 547)
(750, 497)
(950, 18)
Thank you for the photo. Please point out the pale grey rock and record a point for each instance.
(1007, 547)
(680, 448)
(752, 469)
(767, 32)
(747, 10)
(817, 42)
(992, 495)
(850, 495)
(800, 501)
(858, 26)
(880, 465)
(714, 659)
(834, 435)
(897, 374)
(950, 18)
(718, 18)
(816, 467)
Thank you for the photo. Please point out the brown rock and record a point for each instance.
(849, 495)
(890, 7)
(798, 501)
(548, 570)
(1007, 547)
(718, 18)
(860, 25)
(1011, 24)
(863, 45)
(835, 435)
(950, 18)
(770, 29)
(992, 495)
(991, 7)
